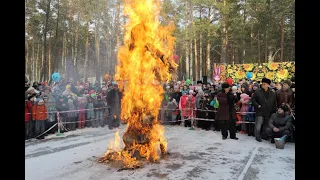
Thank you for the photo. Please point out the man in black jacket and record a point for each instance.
(264, 102)
(279, 123)
(114, 102)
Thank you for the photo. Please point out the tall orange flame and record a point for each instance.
(144, 61)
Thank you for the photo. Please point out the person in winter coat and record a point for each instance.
(245, 99)
(284, 95)
(255, 87)
(99, 109)
(186, 106)
(185, 89)
(279, 124)
(177, 95)
(82, 112)
(114, 101)
(39, 114)
(170, 110)
(202, 112)
(89, 112)
(97, 87)
(61, 106)
(71, 116)
(52, 115)
(201, 107)
(245, 89)
(33, 92)
(226, 113)
(27, 119)
(264, 101)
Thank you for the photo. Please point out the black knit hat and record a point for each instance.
(284, 107)
(225, 85)
(266, 80)
(245, 85)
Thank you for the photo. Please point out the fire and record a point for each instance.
(144, 61)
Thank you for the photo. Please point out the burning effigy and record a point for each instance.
(144, 61)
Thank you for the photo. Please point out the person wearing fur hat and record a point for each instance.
(264, 102)
(39, 114)
(284, 95)
(226, 113)
(279, 123)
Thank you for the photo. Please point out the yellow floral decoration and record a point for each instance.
(240, 74)
(273, 66)
(270, 75)
(248, 67)
(282, 74)
(230, 71)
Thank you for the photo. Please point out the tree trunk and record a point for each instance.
(56, 50)
(224, 36)
(242, 59)
(76, 43)
(86, 51)
(45, 77)
(191, 62)
(192, 67)
(63, 51)
(186, 42)
(251, 42)
(200, 50)
(208, 62)
(270, 59)
(266, 45)
(117, 30)
(27, 58)
(202, 68)
(259, 47)
(33, 63)
(196, 62)
(37, 67)
(282, 37)
(233, 54)
(97, 49)
(49, 58)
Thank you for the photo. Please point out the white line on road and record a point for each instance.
(245, 169)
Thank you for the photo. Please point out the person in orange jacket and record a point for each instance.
(39, 114)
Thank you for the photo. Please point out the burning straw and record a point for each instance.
(145, 60)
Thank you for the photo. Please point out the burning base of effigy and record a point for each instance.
(138, 146)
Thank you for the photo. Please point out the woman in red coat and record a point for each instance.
(226, 113)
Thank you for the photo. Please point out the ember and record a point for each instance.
(145, 60)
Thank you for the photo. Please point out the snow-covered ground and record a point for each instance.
(193, 155)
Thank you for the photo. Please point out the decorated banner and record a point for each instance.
(274, 71)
